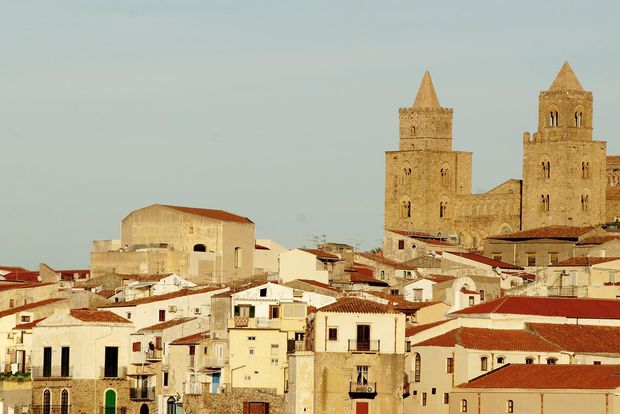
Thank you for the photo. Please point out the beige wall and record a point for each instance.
(298, 264)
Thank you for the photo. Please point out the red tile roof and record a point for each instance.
(386, 261)
(354, 305)
(580, 338)
(93, 315)
(598, 239)
(190, 339)
(547, 306)
(320, 254)
(439, 278)
(318, 284)
(613, 159)
(584, 261)
(165, 325)
(22, 285)
(492, 340)
(107, 293)
(469, 292)
(542, 376)
(27, 325)
(412, 330)
(400, 303)
(213, 214)
(13, 269)
(28, 306)
(485, 260)
(24, 276)
(158, 298)
(551, 232)
(361, 275)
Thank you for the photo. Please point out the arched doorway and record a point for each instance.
(171, 406)
(144, 409)
(110, 402)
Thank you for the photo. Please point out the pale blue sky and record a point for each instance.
(280, 111)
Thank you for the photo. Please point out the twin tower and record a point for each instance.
(428, 185)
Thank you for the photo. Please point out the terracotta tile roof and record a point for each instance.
(320, 254)
(485, 260)
(412, 330)
(107, 293)
(439, 278)
(386, 261)
(158, 298)
(213, 214)
(190, 339)
(438, 242)
(259, 247)
(469, 292)
(542, 376)
(492, 340)
(362, 275)
(613, 159)
(13, 269)
(401, 303)
(580, 338)
(551, 232)
(22, 285)
(318, 284)
(28, 306)
(613, 193)
(93, 315)
(27, 325)
(23, 276)
(165, 325)
(417, 234)
(584, 261)
(598, 239)
(354, 305)
(547, 306)
(522, 275)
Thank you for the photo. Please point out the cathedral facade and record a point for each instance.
(567, 177)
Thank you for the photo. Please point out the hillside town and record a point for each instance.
(501, 302)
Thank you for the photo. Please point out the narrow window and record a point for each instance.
(471, 301)
(362, 375)
(274, 311)
(110, 369)
(531, 259)
(510, 406)
(275, 349)
(162, 315)
(47, 401)
(529, 360)
(484, 363)
(64, 402)
(423, 398)
(481, 291)
(417, 368)
(553, 257)
(463, 406)
(64, 361)
(500, 359)
(408, 346)
(446, 398)
(449, 365)
(238, 257)
(552, 361)
(578, 117)
(165, 379)
(401, 244)
(47, 361)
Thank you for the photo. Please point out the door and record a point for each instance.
(361, 408)
(47, 361)
(144, 409)
(363, 337)
(110, 402)
(215, 382)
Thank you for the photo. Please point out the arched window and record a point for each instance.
(544, 202)
(529, 360)
(463, 406)
(417, 368)
(445, 175)
(47, 402)
(578, 117)
(510, 406)
(200, 248)
(443, 207)
(405, 209)
(484, 364)
(585, 200)
(585, 169)
(144, 409)
(553, 118)
(64, 402)
(110, 402)
(171, 406)
(501, 359)
(552, 361)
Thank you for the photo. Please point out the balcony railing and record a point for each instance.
(52, 372)
(50, 409)
(567, 291)
(371, 345)
(193, 388)
(363, 390)
(293, 346)
(153, 354)
(267, 323)
(213, 362)
(113, 372)
(142, 393)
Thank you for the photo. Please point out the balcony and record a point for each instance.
(293, 346)
(567, 291)
(153, 355)
(50, 409)
(193, 388)
(54, 372)
(213, 362)
(367, 390)
(112, 372)
(370, 346)
(142, 393)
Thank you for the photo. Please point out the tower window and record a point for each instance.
(544, 202)
(578, 118)
(585, 169)
(585, 199)
(443, 206)
(546, 169)
(553, 118)
(405, 211)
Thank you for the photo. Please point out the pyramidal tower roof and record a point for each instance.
(426, 97)
(566, 80)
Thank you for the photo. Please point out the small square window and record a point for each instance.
(401, 244)
(263, 292)
(128, 315)
(250, 351)
(25, 318)
(433, 391)
(274, 362)
(332, 334)
(275, 349)
(251, 338)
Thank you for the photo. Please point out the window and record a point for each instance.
(612, 277)
(24, 318)
(449, 365)
(481, 291)
(417, 295)
(262, 293)
(471, 301)
(585, 201)
(136, 347)
(529, 360)
(484, 364)
(585, 170)
(597, 362)
(274, 311)
(200, 248)
(244, 310)
(433, 391)
(171, 405)
(394, 292)
(500, 359)
(552, 361)
(463, 406)
(251, 338)
(578, 118)
(407, 346)
(110, 369)
(423, 398)
(47, 402)
(275, 349)
(64, 361)
(546, 169)
(274, 362)
(417, 368)
(401, 244)
(11, 303)
(250, 351)
(496, 256)
(382, 274)
(443, 206)
(405, 209)
(64, 402)
(510, 406)
(446, 398)
(162, 315)
(128, 315)
(238, 257)
(553, 257)
(531, 259)
(47, 361)
(165, 378)
(362, 375)
(553, 118)
(332, 334)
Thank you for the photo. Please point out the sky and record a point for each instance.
(276, 110)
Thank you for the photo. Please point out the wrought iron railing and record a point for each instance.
(142, 393)
(363, 387)
(369, 345)
(52, 372)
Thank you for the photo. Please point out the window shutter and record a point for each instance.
(136, 347)
(251, 311)
(237, 312)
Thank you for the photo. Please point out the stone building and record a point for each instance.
(567, 178)
(203, 245)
